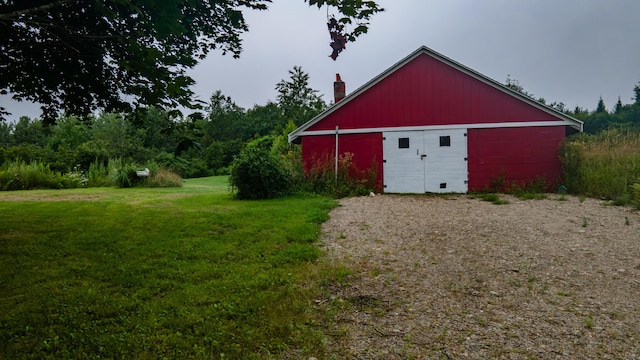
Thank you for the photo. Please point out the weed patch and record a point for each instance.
(491, 197)
(605, 165)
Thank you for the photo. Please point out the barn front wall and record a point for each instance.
(445, 160)
(503, 156)
(362, 151)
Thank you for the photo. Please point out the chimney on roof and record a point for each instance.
(339, 89)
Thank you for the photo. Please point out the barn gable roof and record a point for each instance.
(564, 118)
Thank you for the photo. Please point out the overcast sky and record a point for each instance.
(573, 51)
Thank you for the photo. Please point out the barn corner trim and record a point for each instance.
(294, 137)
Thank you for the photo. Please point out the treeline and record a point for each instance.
(620, 116)
(201, 144)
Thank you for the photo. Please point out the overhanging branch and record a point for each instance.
(28, 11)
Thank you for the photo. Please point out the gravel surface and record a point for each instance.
(452, 277)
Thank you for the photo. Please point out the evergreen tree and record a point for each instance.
(618, 108)
(636, 91)
(601, 108)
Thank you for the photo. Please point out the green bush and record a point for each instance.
(123, 174)
(258, 174)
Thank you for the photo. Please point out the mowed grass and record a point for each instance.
(157, 273)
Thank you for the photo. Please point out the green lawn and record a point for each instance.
(157, 273)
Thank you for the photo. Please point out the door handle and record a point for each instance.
(423, 156)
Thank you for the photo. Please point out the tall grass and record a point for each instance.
(604, 165)
(19, 175)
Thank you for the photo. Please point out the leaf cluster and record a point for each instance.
(358, 11)
(78, 56)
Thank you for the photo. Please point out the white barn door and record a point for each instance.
(425, 161)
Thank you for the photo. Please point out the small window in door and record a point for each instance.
(445, 140)
(403, 143)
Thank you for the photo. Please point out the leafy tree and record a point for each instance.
(296, 99)
(514, 84)
(579, 110)
(115, 136)
(224, 120)
(188, 134)
(150, 123)
(28, 131)
(560, 106)
(5, 135)
(636, 91)
(265, 119)
(80, 55)
(69, 133)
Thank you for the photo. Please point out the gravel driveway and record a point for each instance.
(452, 277)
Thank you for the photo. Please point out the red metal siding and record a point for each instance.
(426, 91)
(366, 149)
(518, 154)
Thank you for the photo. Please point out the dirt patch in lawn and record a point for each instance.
(454, 277)
(36, 196)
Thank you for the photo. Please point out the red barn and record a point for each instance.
(430, 124)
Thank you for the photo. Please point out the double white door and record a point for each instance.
(425, 161)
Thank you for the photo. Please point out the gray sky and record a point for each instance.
(573, 51)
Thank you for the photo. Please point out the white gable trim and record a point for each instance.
(433, 127)
(567, 120)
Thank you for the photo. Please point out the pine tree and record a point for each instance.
(601, 108)
(618, 108)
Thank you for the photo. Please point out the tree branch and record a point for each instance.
(36, 9)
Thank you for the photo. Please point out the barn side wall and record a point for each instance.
(519, 154)
(366, 149)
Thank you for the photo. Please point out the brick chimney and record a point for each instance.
(339, 89)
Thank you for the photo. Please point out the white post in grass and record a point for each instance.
(336, 164)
